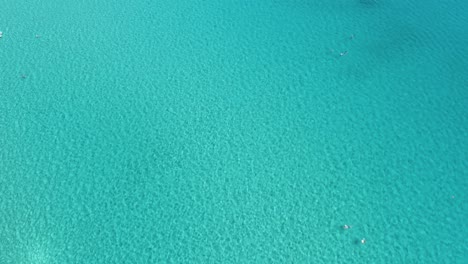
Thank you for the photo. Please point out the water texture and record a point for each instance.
(233, 131)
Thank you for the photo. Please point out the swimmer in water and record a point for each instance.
(363, 241)
(343, 53)
(346, 227)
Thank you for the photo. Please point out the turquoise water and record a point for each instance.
(233, 131)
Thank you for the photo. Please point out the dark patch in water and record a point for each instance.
(368, 3)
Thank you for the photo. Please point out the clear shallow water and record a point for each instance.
(234, 132)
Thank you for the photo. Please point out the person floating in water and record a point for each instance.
(346, 227)
(343, 53)
(363, 241)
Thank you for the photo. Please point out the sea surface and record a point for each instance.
(247, 131)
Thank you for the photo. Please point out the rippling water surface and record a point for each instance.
(233, 131)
